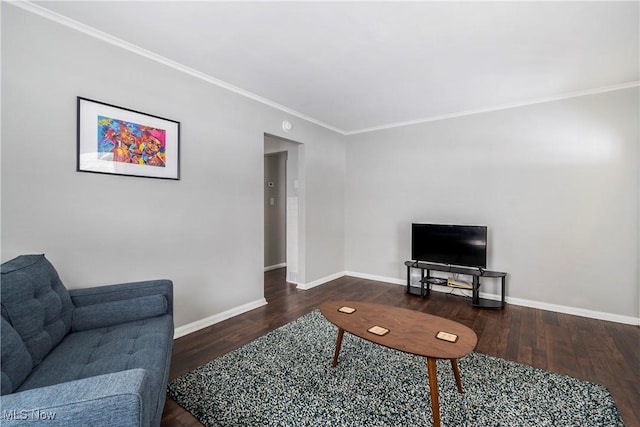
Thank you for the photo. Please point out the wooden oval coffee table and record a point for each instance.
(408, 331)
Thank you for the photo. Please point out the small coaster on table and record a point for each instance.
(347, 310)
(446, 336)
(378, 330)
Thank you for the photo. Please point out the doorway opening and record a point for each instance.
(275, 210)
(283, 208)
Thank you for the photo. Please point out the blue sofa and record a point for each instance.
(83, 357)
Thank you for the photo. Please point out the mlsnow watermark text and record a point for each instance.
(24, 415)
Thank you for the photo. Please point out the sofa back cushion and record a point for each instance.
(35, 303)
(15, 360)
(116, 312)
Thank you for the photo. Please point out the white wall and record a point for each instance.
(556, 183)
(205, 232)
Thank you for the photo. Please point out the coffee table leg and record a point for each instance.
(433, 388)
(456, 373)
(338, 345)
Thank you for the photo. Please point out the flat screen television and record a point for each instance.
(464, 245)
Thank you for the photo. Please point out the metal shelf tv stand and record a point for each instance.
(426, 281)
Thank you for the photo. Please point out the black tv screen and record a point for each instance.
(464, 245)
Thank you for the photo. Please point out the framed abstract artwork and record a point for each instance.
(120, 141)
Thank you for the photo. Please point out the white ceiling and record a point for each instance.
(361, 65)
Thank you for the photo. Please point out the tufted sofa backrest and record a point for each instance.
(35, 303)
(15, 360)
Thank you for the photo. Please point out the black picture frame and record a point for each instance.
(121, 141)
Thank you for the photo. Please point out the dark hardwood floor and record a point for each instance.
(602, 352)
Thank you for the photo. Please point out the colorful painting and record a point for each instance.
(120, 141)
(126, 142)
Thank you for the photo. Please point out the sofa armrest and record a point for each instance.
(123, 291)
(117, 399)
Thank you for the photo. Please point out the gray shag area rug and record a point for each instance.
(285, 378)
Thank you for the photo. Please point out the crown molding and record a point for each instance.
(499, 107)
(108, 38)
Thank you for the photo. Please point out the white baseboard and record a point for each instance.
(217, 318)
(275, 267)
(323, 280)
(376, 278)
(611, 317)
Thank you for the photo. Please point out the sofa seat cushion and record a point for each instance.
(140, 344)
(35, 303)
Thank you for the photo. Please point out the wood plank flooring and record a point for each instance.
(602, 352)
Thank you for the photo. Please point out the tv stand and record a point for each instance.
(426, 281)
